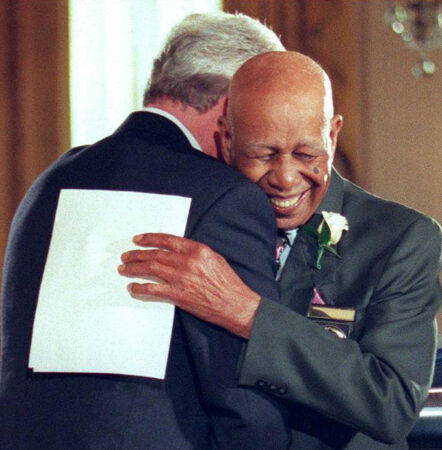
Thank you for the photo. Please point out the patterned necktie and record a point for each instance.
(281, 243)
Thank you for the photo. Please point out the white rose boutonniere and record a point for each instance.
(336, 224)
(329, 233)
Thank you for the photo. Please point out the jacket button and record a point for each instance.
(282, 391)
(261, 383)
(273, 388)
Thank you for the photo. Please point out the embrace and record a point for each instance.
(330, 346)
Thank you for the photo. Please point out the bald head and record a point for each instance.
(278, 67)
(282, 76)
(281, 133)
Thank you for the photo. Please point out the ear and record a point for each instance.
(225, 139)
(336, 125)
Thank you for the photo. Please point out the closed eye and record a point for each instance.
(262, 155)
(265, 157)
(305, 156)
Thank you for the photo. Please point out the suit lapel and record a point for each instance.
(296, 281)
(322, 279)
(300, 274)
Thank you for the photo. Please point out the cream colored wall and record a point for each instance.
(402, 118)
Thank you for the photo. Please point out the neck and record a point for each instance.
(203, 126)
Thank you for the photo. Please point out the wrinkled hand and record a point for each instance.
(194, 278)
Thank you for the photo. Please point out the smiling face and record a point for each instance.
(281, 139)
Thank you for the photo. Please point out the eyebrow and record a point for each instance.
(317, 145)
(259, 146)
(314, 144)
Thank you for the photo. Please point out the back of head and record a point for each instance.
(201, 55)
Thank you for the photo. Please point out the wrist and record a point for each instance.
(245, 318)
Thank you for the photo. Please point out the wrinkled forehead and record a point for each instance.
(276, 99)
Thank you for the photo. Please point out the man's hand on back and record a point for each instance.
(194, 278)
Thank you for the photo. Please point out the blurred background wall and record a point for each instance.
(391, 143)
(34, 96)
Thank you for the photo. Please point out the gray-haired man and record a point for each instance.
(198, 405)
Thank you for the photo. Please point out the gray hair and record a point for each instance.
(202, 53)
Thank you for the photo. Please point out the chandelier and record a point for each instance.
(419, 24)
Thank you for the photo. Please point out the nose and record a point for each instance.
(284, 174)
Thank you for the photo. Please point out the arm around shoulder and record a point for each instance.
(241, 227)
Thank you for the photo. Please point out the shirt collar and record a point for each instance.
(190, 137)
(291, 235)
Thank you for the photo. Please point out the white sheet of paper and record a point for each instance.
(86, 321)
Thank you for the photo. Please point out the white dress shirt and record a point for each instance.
(190, 137)
(291, 236)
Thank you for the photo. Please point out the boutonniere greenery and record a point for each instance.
(328, 233)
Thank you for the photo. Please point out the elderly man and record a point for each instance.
(198, 405)
(351, 347)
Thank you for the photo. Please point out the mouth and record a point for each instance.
(285, 205)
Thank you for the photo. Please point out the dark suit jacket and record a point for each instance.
(198, 405)
(353, 393)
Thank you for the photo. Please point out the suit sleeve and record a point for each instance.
(376, 385)
(240, 226)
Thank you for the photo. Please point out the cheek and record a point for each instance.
(253, 171)
(321, 189)
(318, 193)
(320, 171)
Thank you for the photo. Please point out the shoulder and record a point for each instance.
(127, 162)
(240, 204)
(369, 213)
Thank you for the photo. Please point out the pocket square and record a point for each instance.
(317, 299)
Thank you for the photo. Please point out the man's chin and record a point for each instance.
(286, 223)
(292, 222)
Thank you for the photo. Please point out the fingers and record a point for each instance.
(146, 269)
(178, 253)
(162, 256)
(149, 291)
(164, 241)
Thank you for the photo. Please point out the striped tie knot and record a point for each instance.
(281, 244)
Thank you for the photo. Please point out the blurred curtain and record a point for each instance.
(327, 31)
(34, 105)
(109, 69)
